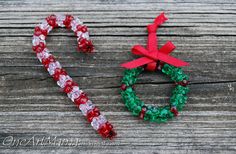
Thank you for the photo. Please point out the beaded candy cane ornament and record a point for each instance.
(88, 109)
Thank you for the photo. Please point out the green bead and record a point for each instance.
(180, 107)
(177, 74)
(156, 111)
(163, 113)
(167, 69)
(183, 99)
(177, 71)
(177, 78)
(128, 90)
(171, 114)
(132, 81)
(136, 110)
(133, 72)
(163, 116)
(139, 70)
(132, 105)
(175, 97)
(180, 90)
(174, 102)
(147, 115)
(139, 102)
(153, 117)
(185, 77)
(129, 79)
(155, 114)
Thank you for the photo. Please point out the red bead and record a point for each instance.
(37, 31)
(42, 45)
(47, 61)
(106, 131)
(58, 72)
(39, 48)
(82, 28)
(52, 20)
(174, 111)
(82, 99)
(68, 20)
(34, 48)
(44, 32)
(93, 113)
(85, 45)
(151, 66)
(184, 83)
(69, 86)
(123, 87)
(160, 65)
(142, 113)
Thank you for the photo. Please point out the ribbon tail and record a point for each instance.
(171, 60)
(160, 19)
(152, 39)
(152, 42)
(167, 48)
(136, 63)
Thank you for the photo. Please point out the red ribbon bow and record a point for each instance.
(151, 54)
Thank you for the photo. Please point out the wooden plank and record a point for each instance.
(31, 104)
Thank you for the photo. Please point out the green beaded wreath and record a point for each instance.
(150, 112)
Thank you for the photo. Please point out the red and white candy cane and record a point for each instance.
(88, 109)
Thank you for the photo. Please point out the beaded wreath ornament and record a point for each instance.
(155, 60)
(88, 109)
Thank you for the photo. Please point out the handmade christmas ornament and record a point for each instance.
(70, 87)
(154, 59)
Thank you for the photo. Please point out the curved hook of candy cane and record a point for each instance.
(88, 109)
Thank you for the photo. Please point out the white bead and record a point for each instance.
(62, 80)
(79, 34)
(40, 56)
(73, 28)
(75, 93)
(85, 35)
(60, 19)
(74, 23)
(97, 122)
(43, 54)
(45, 26)
(37, 39)
(42, 37)
(46, 50)
(86, 107)
(52, 66)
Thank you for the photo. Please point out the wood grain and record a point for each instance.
(31, 104)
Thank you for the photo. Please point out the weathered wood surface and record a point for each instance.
(31, 104)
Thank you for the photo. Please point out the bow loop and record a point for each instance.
(136, 50)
